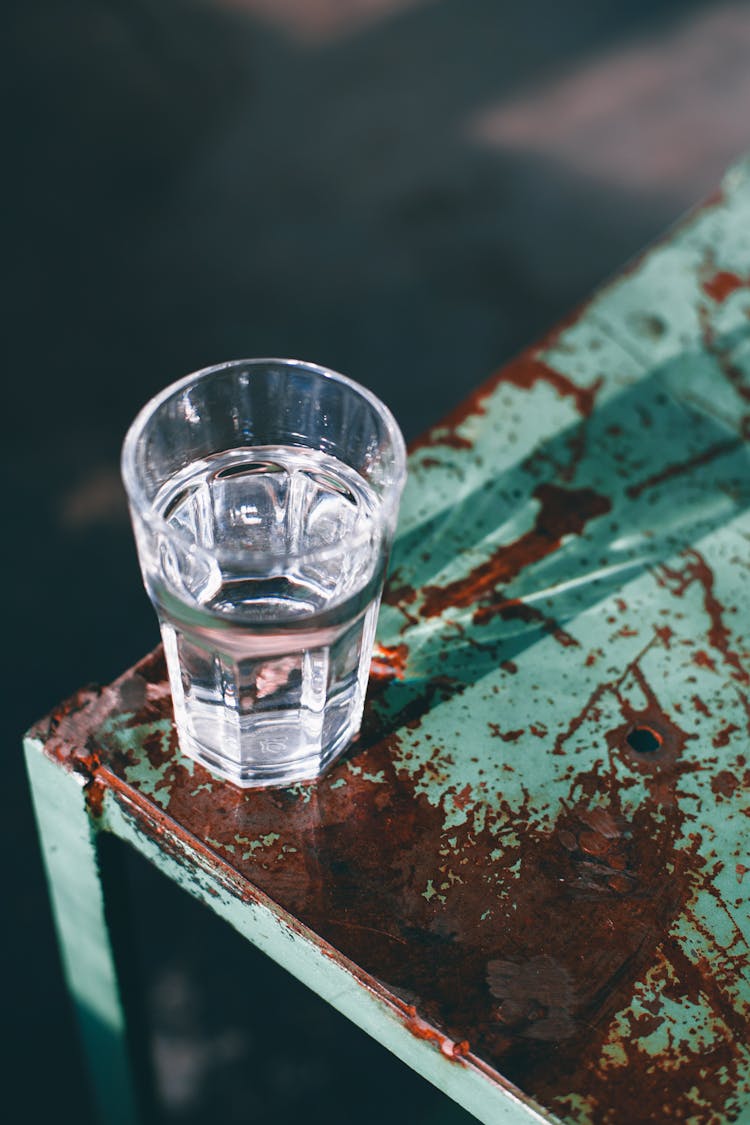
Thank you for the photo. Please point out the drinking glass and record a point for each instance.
(264, 495)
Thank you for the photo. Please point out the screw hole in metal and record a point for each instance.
(644, 740)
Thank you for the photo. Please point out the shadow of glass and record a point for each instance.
(656, 468)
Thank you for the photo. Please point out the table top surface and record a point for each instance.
(539, 848)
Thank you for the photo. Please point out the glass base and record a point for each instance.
(257, 718)
(278, 774)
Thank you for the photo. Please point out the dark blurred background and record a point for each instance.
(405, 190)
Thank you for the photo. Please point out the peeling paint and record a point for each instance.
(538, 845)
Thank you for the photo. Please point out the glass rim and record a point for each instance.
(136, 491)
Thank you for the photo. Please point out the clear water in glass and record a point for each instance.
(268, 664)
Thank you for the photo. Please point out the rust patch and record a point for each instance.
(462, 799)
(697, 569)
(701, 658)
(563, 511)
(531, 988)
(389, 662)
(683, 467)
(524, 372)
(536, 997)
(724, 784)
(721, 738)
(651, 743)
(400, 595)
(665, 634)
(421, 1029)
(514, 609)
(701, 707)
(94, 795)
(528, 370)
(369, 867)
(507, 735)
(446, 431)
(721, 285)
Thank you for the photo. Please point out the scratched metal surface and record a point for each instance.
(539, 845)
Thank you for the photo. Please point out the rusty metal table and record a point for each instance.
(530, 878)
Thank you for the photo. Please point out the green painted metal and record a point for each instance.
(68, 839)
(531, 877)
(281, 938)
